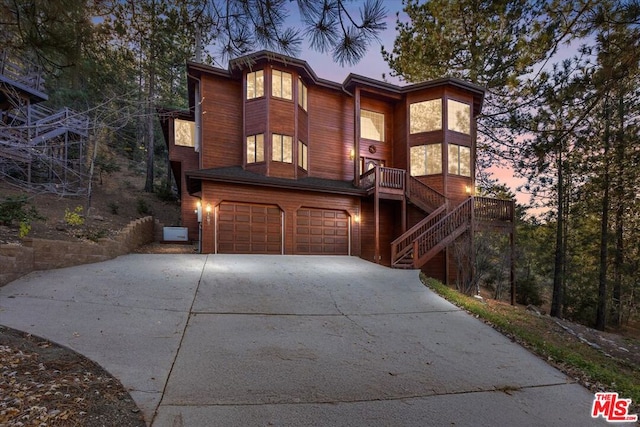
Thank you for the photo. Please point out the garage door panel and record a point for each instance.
(249, 228)
(322, 232)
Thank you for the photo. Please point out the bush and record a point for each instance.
(74, 217)
(143, 207)
(113, 207)
(17, 210)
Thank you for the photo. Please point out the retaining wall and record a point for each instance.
(42, 254)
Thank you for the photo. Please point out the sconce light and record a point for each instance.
(352, 154)
(356, 218)
(198, 211)
(467, 189)
(208, 213)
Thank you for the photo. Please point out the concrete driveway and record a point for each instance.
(228, 340)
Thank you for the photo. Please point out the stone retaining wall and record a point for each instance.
(41, 254)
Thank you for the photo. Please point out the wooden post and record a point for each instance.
(376, 208)
(512, 244)
(356, 138)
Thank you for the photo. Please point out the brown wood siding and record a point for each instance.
(435, 268)
(390, 228)
(330, 134)
(322, 232)
(400, 140)
(281, 116)
(256, 116)
(222, 143)
(282, 170)
(245, 228)
(457, 189)
(289, 201)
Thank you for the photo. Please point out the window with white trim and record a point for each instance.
(372, 125)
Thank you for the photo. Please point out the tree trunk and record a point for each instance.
(616, 306)
(558, 265)
(151, 57)
(601, 311)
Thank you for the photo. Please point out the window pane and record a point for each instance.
(260, 148)
(184, 133)
(302, 95)
(259, 83)
(372, 125)
(287, 149)
(287, 92)
(418, 160)
(276, 147)
(458, 116)
(465, 161)
(453, 159)
(276, 83)
(434, 159)
(425, 116)
(251, 149)
(251, 85)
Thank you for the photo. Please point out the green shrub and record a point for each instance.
(74, 217)
(16, 209)
(143, 207)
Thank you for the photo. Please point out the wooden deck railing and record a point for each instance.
(21, 71)
(382, 177)
(488, 209)
(443, 232)
(404, 242)
(431, 198)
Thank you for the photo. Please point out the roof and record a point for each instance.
(237, 65)
(238, 175)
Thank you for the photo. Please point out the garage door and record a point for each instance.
(322, 232)
(249, 229)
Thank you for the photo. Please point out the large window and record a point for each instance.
(184, 132)
(426, 159)
(459, 160)
(458, 116)
(425, 116)
(372, 125)
(255, 148)
(255, 84)
(302, 95)
(303, 155)
(281, 85)
(281, 148)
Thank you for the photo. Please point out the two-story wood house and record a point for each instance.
(272, 159)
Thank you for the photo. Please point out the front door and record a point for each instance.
(366, 164)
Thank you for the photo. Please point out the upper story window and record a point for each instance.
(184, 132)
(255, 84)
(425, 116)
(281, 84)
(458, 116)
(302, 95)
(459, 160)
(303, 155)
(426, 159)
(281, 148)
(372, 125)
(255, 148)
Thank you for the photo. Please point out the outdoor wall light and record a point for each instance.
(208, 213)
(198, 211)
(467, 189)
(352, 154)
(356, 218)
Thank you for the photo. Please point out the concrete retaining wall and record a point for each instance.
(41, 254)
